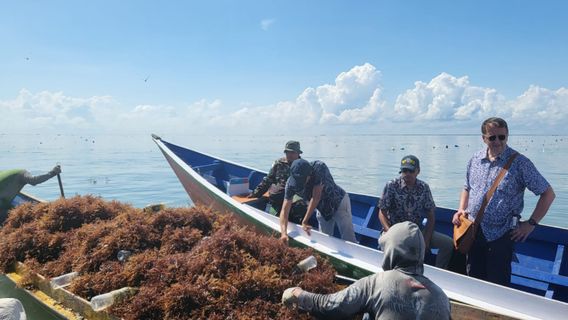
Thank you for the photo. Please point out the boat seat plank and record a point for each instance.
(543, 273)
(558, 259)
(370, 214)
(372, 233)
(538, 286)
(534, 263)
(548, 277)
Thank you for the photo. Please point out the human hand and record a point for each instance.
(56, 170)
(290, 297)
(456, 218)
(307, 228)
(284, 238)
(522, 231)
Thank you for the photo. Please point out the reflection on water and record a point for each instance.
(130, 168)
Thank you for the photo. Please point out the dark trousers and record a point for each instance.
(491, 260)
(297, 212)
(276, 200)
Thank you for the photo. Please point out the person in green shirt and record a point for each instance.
(13, 181)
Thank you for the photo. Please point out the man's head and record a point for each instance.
(409, 169)
(292, 150)
(403, 246)
(300, 170)
(495, 133)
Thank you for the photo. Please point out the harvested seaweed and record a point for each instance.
(188, 263)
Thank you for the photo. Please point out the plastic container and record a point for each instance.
(105, 300)
(307, 264)
(63, 280)
(123, 255)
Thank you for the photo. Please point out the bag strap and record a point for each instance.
(489, 193)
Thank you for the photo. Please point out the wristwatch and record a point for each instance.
(533, 222)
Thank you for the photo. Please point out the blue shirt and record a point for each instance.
(406, 204)
(331, 195)
(507, 200)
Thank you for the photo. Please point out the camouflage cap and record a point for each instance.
(293, 146)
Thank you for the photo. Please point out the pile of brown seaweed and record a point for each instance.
(188, 263)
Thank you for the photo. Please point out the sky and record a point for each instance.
(276, 67)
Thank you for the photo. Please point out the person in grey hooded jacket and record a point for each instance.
(400, 292)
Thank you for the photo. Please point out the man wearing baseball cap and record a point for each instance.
(313, 181)
(406, 198)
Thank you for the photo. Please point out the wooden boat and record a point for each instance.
(540, 273)
(37, 304)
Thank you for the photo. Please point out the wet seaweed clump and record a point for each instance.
(187, 263)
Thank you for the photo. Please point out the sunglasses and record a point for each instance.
(407, 170)
(492, 138)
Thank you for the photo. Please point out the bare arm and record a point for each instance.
(33, 180)
(522, 232)
(429, 227)
(312, 205)
(284, 212)
(464, 198)
(384, 220)
(340, 305)
(266, 182)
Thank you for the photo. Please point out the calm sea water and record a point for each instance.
(130, 168)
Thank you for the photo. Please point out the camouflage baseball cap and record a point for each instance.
(292, 146)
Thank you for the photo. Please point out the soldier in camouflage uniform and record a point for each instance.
(275, 183)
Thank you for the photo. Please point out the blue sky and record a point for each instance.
(314, 66)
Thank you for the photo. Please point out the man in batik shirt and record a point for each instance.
(313, 181)
(492, 251)
(407, 198)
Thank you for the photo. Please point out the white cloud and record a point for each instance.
(266, 23)
(540, 109)
(51, 111)
(354, 100)
(446, 98)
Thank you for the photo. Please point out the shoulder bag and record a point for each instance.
(464, 235)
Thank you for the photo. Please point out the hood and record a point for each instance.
(404, 247)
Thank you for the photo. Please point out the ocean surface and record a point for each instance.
(130, 168)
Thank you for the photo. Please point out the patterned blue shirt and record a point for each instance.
(331, 196)
(406, 204)
(507, 200)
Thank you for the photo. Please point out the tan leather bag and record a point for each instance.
(464, 235)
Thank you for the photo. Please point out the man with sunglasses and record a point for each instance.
(492, 252)
(407, 198)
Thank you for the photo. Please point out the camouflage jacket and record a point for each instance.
(276, 179)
